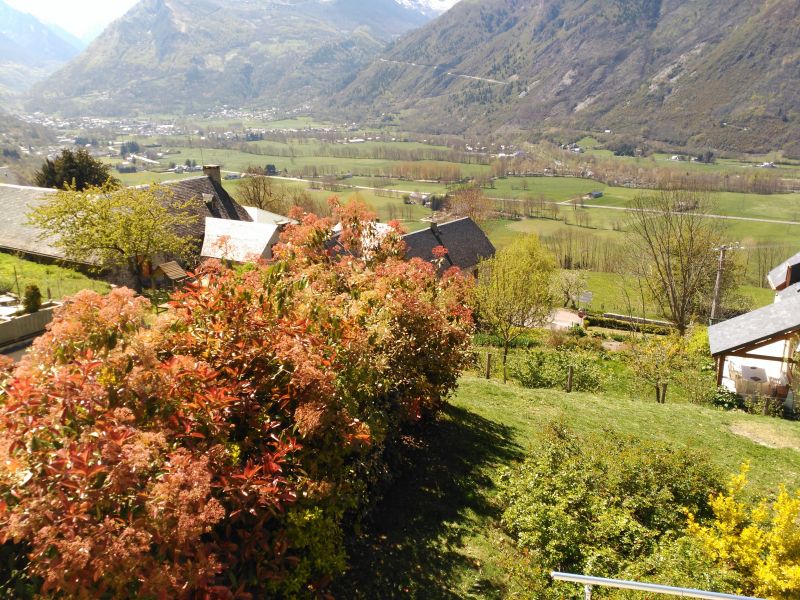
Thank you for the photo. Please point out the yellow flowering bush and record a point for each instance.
(761, 541)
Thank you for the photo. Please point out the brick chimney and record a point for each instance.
(213, 171)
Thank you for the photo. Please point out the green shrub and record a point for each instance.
(601, 503)
(6, 286)
(530, 339)
(726, 399)
(609, 323)
(549, 369)
(32, 300)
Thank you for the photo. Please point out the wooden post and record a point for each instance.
(488, 365)
(16, 279)
(720, 369)
(570, 374)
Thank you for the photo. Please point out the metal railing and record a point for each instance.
(589, 582)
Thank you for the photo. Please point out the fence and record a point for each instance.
(589, 582)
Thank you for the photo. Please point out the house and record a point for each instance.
(785, 274)
(754, 352)
(16, 202)
(593, 195)
(419, 198)
(465, 241)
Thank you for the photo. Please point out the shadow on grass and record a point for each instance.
(412, 547)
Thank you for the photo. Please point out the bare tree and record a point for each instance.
(672, 252)
(470, 202)
(262, 192)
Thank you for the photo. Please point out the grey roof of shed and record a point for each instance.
(777, 276)
(760, 325)
(16, 202)
(465, 241)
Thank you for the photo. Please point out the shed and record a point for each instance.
(172, 272)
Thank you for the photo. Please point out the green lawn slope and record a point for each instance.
(436, 534)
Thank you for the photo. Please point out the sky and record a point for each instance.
(87, 18)
(82, 18)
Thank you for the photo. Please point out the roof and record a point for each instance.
(173, 271)
(216, 203)
(264, 216)
(16, 202)
(237, 240)
(777, 277)
(465, 241)
(753, 328)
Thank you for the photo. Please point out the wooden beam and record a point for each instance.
(720, 369)
(776, 338)
(763, 357)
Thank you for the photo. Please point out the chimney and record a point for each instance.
(213, 171)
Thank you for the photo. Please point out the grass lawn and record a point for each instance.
(60, 281)
(436, 534)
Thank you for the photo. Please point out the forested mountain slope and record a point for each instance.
(723, 73)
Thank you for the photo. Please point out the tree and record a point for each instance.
(262, 192)
(657, 360)
(673, 252)
(514, 290)
(125, 227)
(78, 170)
(469, 202)
(569, 285)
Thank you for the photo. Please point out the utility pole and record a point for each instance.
(715, 302)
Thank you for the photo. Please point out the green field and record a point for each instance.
(436, 534)
(53, 281)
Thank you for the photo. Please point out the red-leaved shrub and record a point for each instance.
(215, 451)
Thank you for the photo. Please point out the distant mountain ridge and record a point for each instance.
(718, 73)
(29, 49)
(187, 55)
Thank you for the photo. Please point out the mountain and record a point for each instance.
(718, 73)
(186, 55)
(29, 49)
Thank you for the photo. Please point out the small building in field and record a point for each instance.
(593, 195)
(465, 241)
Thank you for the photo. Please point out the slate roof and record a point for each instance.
(777, 276)
(465, 241)
(755, 327)
(16, 202)
(215, 203)
(237, 240)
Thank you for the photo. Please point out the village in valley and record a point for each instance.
(393, 313)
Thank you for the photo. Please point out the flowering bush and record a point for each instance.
(216, 452)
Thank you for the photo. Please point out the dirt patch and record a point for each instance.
(772, 435)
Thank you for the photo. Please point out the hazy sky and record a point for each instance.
(89, 17)
(79, 17)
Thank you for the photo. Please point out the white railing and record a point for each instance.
(589, 582)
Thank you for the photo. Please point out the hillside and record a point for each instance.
(437, 535)
(29, 50)
(185, 55)
(721, 73)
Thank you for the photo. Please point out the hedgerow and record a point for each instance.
(222, 451)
